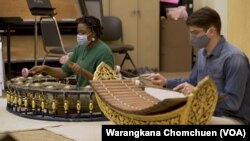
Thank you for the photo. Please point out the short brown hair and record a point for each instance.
(205, 18)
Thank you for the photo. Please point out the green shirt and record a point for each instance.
(89, 58)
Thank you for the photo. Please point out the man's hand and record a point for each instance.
(157, 79)
(184, 88)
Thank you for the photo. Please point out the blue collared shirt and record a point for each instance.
(229, 68)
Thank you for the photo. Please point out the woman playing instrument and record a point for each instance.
(86, 56)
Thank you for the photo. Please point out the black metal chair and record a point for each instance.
(112, 31)
(52, 40)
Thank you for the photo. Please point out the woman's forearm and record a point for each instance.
(86, 74)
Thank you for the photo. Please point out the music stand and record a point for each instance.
(39, 8)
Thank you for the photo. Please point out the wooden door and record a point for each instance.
(140, 20)
(148, 33)
(126, 11)
(105, 7)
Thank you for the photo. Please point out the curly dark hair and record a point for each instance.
(93, 23)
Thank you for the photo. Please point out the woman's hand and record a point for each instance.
(184, 88)
(37, 69)
(79, 70)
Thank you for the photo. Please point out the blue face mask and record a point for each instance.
(82, 39)
(199, 42)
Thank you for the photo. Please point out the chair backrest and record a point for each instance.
(50, 32)
(112, 29)
(94, 8)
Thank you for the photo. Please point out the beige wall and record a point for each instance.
(239, 24)
(22, 47)
(235, 20)
(65, 9)
(220, 6)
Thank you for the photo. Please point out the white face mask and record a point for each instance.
(82, 39)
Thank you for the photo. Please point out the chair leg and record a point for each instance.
(127, 56)
(44, 60)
